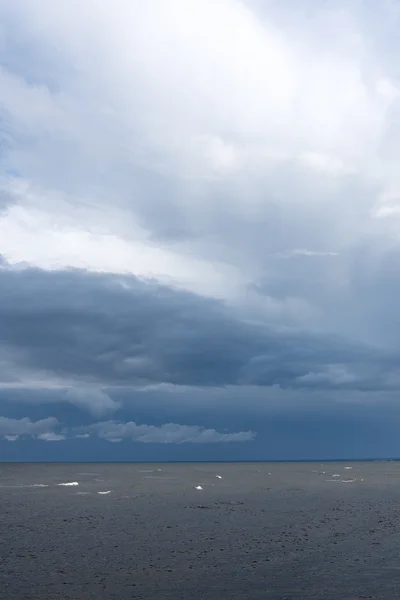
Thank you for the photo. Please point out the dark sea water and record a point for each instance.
(254, 531)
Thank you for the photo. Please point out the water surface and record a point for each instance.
(253, 530)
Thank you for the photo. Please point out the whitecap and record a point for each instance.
(103, 493)
(218, 476)
(348, 480)
(41, 485)
(348, 468)
(336, 475)
(68, 484)
(198, 487)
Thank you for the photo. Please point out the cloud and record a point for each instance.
(114, 431)
(82, 335)
(305, 252)
(169, 177)
(92, 399)
(159, 161)
(331, 374)
(12, 429)
(51, 437)
(169, 433)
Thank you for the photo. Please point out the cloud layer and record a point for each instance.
(114, 431)
(170, 433)
(12, 429)
(199, 202)
(80, 331)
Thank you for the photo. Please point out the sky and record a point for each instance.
(199, 229)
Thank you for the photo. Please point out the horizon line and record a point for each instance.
(305, 460)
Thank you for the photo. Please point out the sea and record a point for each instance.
(178, 531)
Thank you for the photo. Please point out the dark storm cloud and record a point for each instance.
(112, 330)
(120, 330)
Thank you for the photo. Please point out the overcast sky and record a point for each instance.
(199, 229)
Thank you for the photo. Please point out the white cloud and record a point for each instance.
(54, 246)
(170, 433)
(153, 91)
(329, 165)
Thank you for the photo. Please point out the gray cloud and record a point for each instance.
(306, 253)
(169, 433)
(115, 431)
(277, 213)
(95, 400)
(12, 429)
(5, 200)
(51, 437)
(93, 331)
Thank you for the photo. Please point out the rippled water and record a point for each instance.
(208, 531)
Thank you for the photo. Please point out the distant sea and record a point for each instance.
(173, 531)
